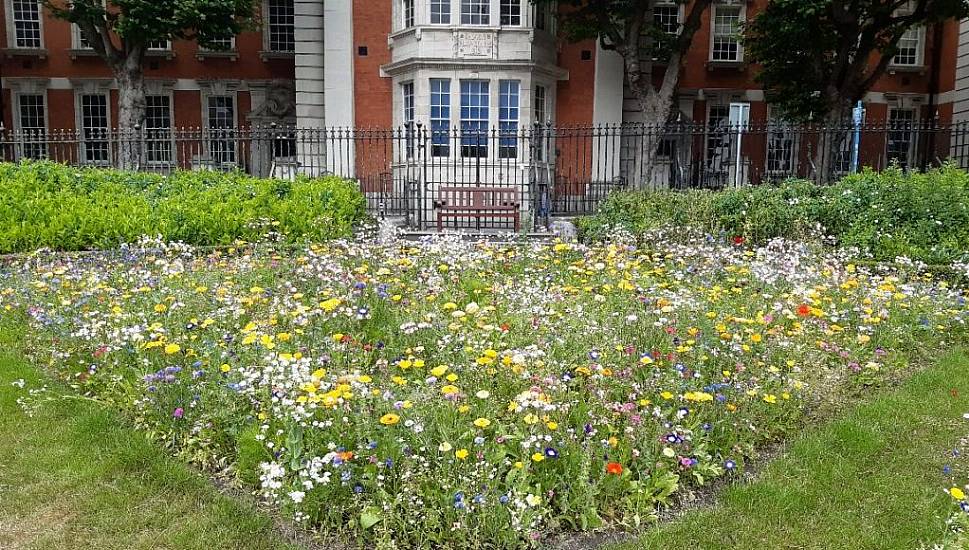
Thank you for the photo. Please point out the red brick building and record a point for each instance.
(444, 63)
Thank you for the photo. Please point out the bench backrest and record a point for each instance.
(483, 198)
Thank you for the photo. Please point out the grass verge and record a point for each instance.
(74, 476)
(870, 479)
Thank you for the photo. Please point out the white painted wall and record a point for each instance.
(607, 110)
(338, 54)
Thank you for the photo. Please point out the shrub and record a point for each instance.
(44, 204)
(886, 214)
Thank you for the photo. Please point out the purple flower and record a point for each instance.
(178, 413)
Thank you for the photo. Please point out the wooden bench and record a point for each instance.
(478, 202)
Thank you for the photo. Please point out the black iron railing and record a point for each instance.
(555, 170)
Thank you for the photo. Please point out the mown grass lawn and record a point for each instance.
(75, 476)
(870, 479)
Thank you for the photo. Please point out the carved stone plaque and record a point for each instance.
(475, 44)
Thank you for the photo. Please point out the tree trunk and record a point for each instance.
(656, 112)
(833, 139)
(131, 112)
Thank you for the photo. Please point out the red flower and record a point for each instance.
(803, 310)
(738, 240)
(614, 468)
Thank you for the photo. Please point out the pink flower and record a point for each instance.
(179, 412)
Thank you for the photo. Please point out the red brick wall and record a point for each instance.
(575, 95)
(373, 95)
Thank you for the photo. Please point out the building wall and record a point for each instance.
(185, 70)
(348, 73)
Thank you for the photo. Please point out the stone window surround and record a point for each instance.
(26, 86)
(11, 47)
(91, 86)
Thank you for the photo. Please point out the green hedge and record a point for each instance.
(887, 214)
(45, 204)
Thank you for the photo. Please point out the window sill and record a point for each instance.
(912, 69)
(168, 55)
(231, 55)
(266, 55)
(26, 52)
(74, 53)
(726, 65)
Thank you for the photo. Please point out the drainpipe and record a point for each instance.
(934, 76)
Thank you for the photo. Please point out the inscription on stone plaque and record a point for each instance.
(475, 44)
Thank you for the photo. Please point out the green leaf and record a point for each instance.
(370, 517)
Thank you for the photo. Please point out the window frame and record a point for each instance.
(408, 113)
(679, 16)
(509, 118)
(480, 123)
(905, 128)
(18, 119)
(511, 4)
(170, 140)
(444, 14)
(714, 36)
(468, 17)
(231, 138)
(408, 14)
(267, 31)
(919, 53)
(441, 123)
(82, 129)
(779, 130)
(11, 25)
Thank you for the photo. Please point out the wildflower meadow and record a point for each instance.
(450, 393)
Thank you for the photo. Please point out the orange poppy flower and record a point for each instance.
(614, 468)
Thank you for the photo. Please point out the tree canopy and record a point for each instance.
(119, 28)
(819, 57)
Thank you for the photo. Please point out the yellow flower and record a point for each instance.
(337, 337)
(770, 398)
(464, 408)
(363, 378)
(538, 457)
(756, 338)
(531, 418)
(519, 464)
(160, 308)
(699, 396)
(957, 493)
(451, 377)
(533, 500)
(171, 349)
(482, 422)
(461, 453)
(330, 305)
(389, 419)
(225, 367)
(552, 425)
(646, 360)
(449, 390)
(666, 395)
(439, 370)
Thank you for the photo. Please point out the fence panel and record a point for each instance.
(480, 178)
